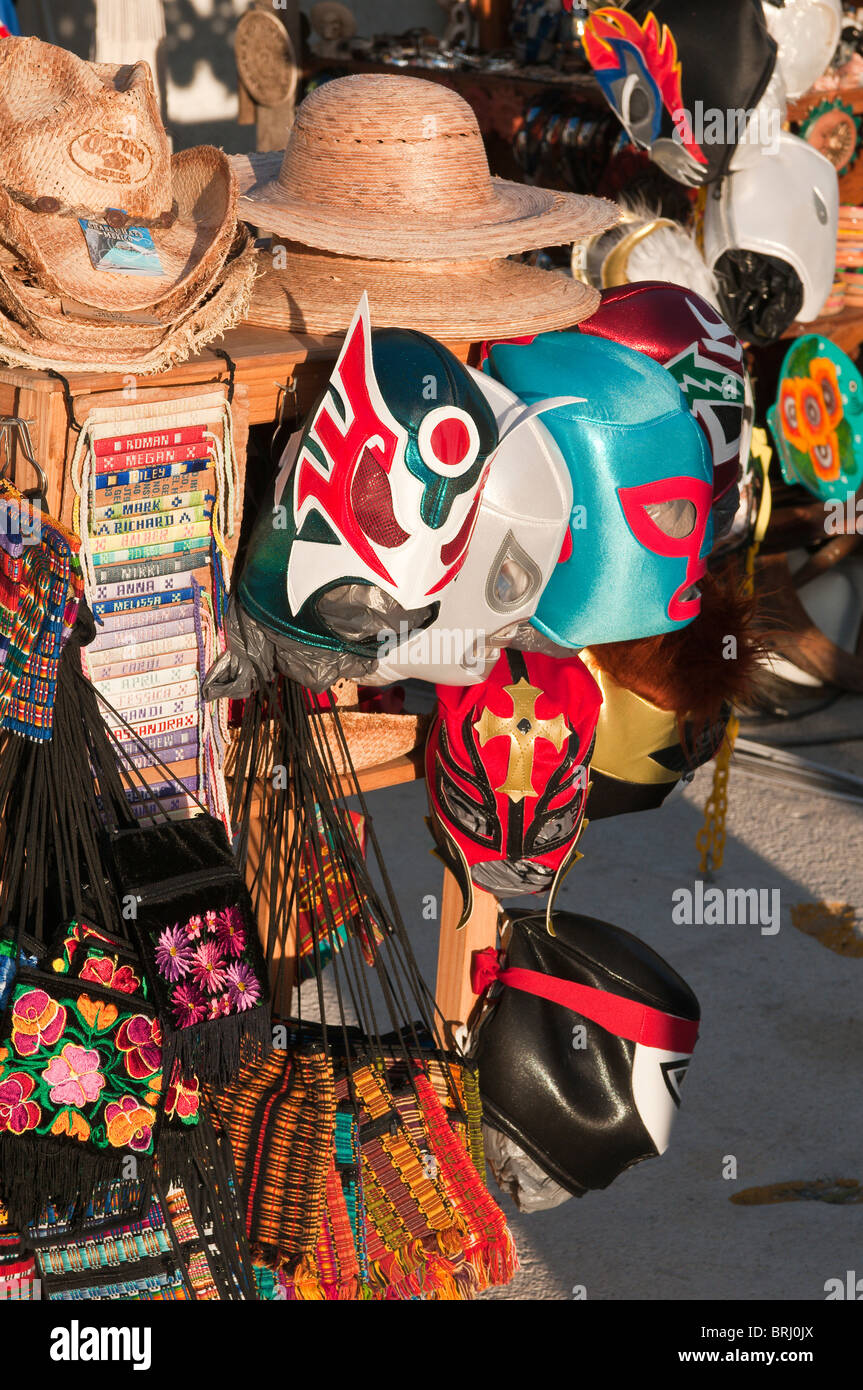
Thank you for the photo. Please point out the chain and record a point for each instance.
(710, 840)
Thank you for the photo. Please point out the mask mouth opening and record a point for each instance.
(512, 876)
(366, 616)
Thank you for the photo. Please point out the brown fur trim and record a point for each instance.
(687, 670)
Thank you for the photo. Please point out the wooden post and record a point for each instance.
(453, 993)
(283, 970)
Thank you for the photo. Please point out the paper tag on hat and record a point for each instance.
(124, 250)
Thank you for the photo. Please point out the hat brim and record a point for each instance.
(116, 350)
(316, 292)
(78, 325)
(190, 251)
(518, 217)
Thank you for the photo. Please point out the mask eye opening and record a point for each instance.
(677, 517)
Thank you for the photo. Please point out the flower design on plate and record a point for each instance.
(74, 1076)
(129, 1124)
(140, 1040)
(37, 1021)
(17, 1111)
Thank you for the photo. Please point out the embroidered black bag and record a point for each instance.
(193, 920)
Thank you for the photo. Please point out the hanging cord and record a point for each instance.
(68, 397)
(398, 944)
(53, 826)
(710, 840)
(397, 969)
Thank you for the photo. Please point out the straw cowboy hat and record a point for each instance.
(84, 140)
(317, 292)
(39, 330)
(394, 168)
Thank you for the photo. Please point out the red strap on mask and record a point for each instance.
(625, 1018)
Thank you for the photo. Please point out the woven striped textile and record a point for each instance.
(280, 1117)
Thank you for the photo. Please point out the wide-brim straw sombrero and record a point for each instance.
(394, 168)
(69, 343)
(191, 251)
(318, 292)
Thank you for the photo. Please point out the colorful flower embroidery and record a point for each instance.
(189, 1005)
(243, 989)
(140, 1039)
(17, 1112)
(97, 1012)
(104, 971)
(183, 1099)
(81, 1067)
(70, 1123)
(208, 966)
(74, 1076)
(231, 932)
(130, 1125)
(37, 1021)
(173, 954)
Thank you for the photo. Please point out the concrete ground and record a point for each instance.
(775, 1082)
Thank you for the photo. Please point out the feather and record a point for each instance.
(670, 254)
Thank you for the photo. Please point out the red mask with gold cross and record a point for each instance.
(507, 765)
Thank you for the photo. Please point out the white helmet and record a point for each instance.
(785, 205)
(806, 33)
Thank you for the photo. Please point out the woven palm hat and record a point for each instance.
(317, 292)
(394, 168)
(84, 140)
(39, 330)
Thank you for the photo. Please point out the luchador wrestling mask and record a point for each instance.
(520, 527)
(583, 1113)
(642, 483)
(382, 495)
(507, 774)
(817, 420)
(656, 62)
(781, 214)
(686, 335)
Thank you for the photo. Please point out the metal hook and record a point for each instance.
(14, 423)
(287, 391)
